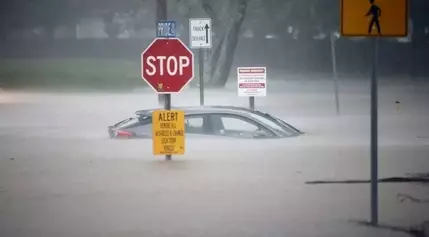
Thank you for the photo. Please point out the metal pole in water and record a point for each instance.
(201, 74)
(334, 72)
(252, 102)
(167, 106)
(374, 135)
(161, 14)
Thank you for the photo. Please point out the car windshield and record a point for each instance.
(284, 123)
(127, 122)
(275, 124)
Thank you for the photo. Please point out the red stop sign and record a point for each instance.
(167, 65)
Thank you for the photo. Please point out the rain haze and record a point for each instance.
(287, 149)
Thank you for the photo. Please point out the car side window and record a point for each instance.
(237, 126)
(195, 124)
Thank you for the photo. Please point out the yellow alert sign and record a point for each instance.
(168, 132)
(382, 18)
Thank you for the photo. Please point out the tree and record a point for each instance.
(27, 14)
(111, 28)
(268, 17)
(227, 17)
(227, 21)
(51, 13)
(307, 17)
(15, 15)
(8, 17)
(112, 8)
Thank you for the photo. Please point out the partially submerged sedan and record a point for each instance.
(211, 121)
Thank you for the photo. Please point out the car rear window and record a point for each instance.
(134, 121)
(127, 122)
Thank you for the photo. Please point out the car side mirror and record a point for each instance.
(260, 134)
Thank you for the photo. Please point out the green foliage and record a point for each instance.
(51, 13)
(308, 14)
(70, 73)
(275, 16)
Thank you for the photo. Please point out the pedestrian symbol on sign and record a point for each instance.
(375, 13)
(375, 18)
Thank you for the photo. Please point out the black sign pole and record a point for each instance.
(167, 106)
(334, 72)
(161, 14)
(252, 102)
(374, 134)
(201, 74)
(201, 65)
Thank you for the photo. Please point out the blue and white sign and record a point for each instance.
(166, 29)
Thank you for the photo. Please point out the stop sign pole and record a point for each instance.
(200, 37)
(161, 15)
(167, 66)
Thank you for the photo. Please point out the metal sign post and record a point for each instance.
(334, 72)
(200, 36)
(167, 106)
(161, 76)
(167, 67)
(201, 73)
(166, 29)
(161, 16)
(168, 132)
(252, 82)
(374, 134)
(252, 102)
(363, 19)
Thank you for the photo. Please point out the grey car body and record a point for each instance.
(209, 121)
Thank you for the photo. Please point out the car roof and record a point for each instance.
(202, 109)
(233, 110)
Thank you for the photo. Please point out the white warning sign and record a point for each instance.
(252, 81)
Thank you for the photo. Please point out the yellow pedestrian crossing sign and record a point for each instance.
(381, 18)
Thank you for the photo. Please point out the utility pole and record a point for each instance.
(161, 14)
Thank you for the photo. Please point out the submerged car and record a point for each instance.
(211, 121)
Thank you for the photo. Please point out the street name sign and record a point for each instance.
(165, 29)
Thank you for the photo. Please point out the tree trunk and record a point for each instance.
(225, 41)
(110, 28)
